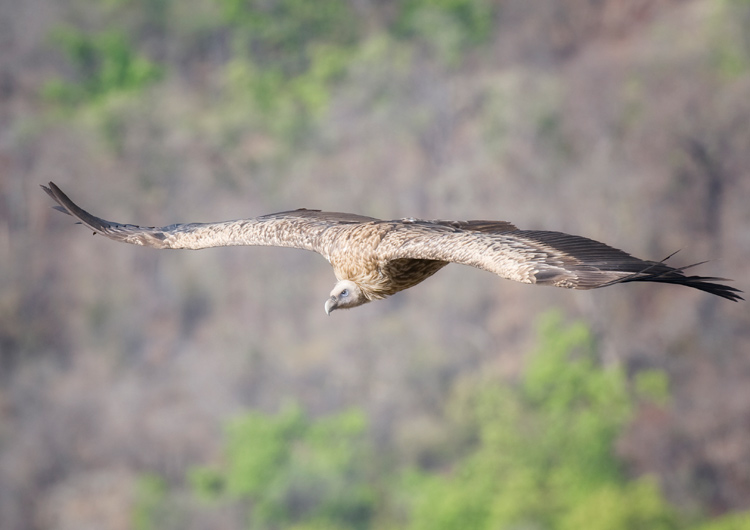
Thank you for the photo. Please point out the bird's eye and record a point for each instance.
(345, 292)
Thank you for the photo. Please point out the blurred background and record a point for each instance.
(188, 390)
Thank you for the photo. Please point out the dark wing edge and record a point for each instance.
(490, 227)
(138, 235)
(541, 257)
(605, 259)
(654, 273)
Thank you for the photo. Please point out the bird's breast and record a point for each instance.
(355, 257)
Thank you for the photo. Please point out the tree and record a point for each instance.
(544, 457)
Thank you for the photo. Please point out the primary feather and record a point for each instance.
(373, 258)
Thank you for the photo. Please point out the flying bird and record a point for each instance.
(373, 258)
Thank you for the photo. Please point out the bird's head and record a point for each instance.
(345, 294)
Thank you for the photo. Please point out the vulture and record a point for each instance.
(373, 258)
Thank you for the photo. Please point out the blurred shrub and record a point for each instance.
(730, 43)
(449, 27)
(102, 64)
(287, 106)
(295, 470)
(280, 61)
(545, 458)
(280, 35)
(737, 521)
(653, 386)
(151, 492)
(286, 57)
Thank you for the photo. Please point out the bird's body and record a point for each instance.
(373, 259)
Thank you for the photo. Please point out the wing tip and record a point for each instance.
(53, 191)
(676, 276)
(67, 206)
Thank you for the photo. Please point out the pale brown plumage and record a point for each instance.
(373, 259)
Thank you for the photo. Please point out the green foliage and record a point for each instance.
(633, 505)
(730, 51)
(545, 454)
(295, 470)
(279, 35)
(653, 386)
(103, 63)
(450, 27)
(543, 460)
(287, 56)
(737, 521)
(150, 494)
(288, 105)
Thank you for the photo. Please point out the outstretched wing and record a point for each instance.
(536, 257)
(303, 229)
(545, 258)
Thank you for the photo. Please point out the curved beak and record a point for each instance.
(331, 304)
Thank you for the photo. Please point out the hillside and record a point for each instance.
(622, 122)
